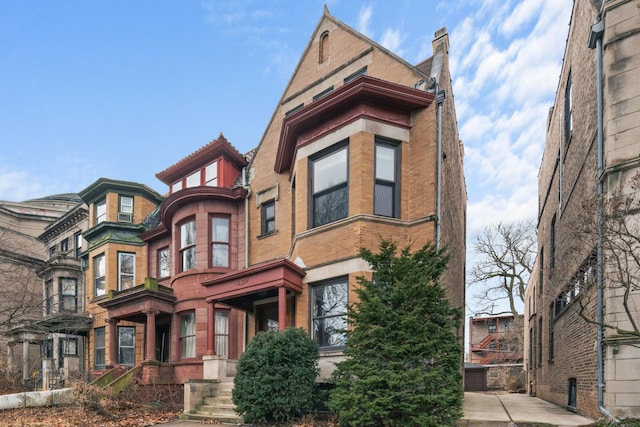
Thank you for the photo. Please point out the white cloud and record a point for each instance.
(17, 186)
(391, 39)
(364, 18)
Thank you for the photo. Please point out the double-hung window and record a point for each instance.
(77, 239)
(101, 211)
(329, 186)
(385, 198)
(125, 211)
(68, 295)
(211, 175)
(64, 245)
(127, 345)
(99, 347)
(219, 241)
(188, 245)
(188, 336)
(568, 112)
(163, 262)
(329, 312)
(48, 297)
(268, 217)
(99, 271)
(126, 270)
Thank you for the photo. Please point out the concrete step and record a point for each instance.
(216, 409)
(217, 400)
(227, 419)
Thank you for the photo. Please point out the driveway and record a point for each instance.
(497, 410)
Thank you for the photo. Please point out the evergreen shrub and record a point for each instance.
(404, 360)
(275, 380)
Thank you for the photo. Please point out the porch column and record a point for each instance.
(10, 361)
(25, 360)
(282, 308)
(112, 347)
(150, 348)
(211, 328)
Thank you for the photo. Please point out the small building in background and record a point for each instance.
(496, 342)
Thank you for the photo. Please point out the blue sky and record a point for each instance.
(124, 89)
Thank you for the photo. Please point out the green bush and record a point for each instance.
(276, 377)
(404, 361)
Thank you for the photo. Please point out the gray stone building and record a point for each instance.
(582, 306)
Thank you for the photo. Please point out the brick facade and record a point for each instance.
(561, 357)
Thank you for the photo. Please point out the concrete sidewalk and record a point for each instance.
(497, 410)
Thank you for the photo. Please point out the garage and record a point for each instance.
(475, 377)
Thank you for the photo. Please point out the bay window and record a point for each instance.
(68, 295)
(188, 245)
(99, 271)
(385, 197)
(329, 186)
(188, 336)
(220, 242)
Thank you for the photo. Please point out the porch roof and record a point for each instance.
(242, 288)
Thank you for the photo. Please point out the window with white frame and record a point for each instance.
(99, 360)
(219, 241)
(125, 210)
(99, 271)
(127, 345)
(211, 175)
(126, 270)
(68, 295)
(386, 192)
(163, 262)
(101, 211)
(188, 245)
(329, 186)
(329, 301)
(188, 336)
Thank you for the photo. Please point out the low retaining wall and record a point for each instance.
(36, 398)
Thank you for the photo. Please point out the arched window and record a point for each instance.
(324, 47)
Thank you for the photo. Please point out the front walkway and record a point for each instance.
(488, 409)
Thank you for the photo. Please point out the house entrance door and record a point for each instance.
(267, 317)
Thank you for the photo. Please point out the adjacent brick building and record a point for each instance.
(582, 152)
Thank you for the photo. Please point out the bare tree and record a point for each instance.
(506, 255)
(620, 239)
(20, 286)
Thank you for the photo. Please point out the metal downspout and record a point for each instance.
(595, 41)
(246, 217)
(440, 95)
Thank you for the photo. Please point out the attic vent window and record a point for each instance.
(351, 77)
(324, 47)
